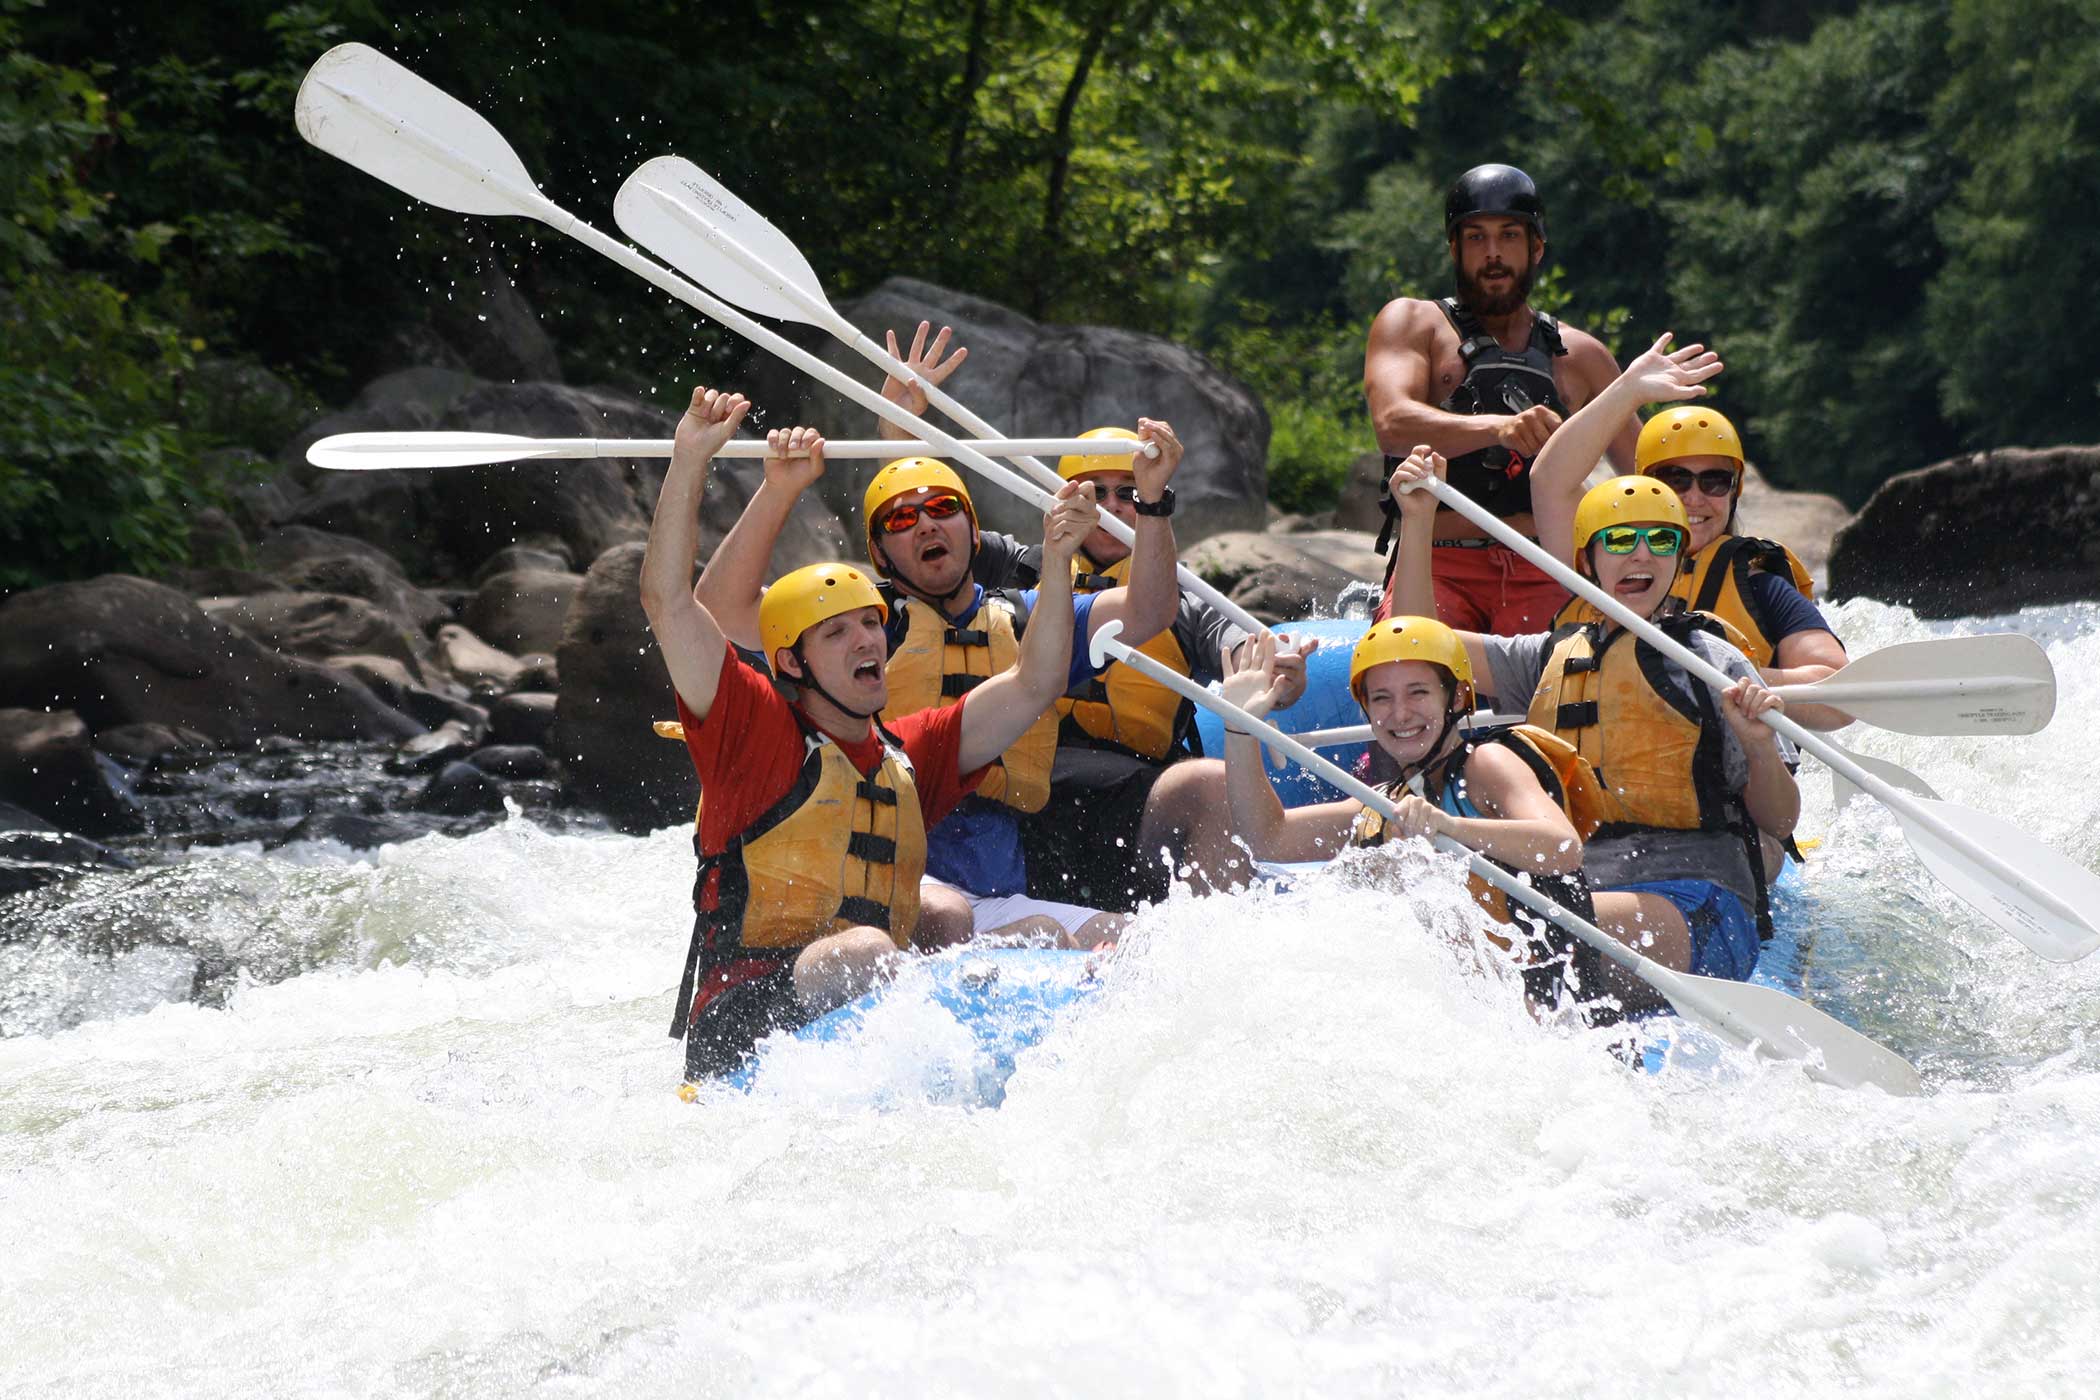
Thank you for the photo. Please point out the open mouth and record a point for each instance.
(1406, 736)
(932, 552)
(868, 670)
(1638, 581)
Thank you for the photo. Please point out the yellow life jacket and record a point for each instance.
(1657, 752)
(1717, 581)
(937, 663)
(1549, 953)
(1121, 707)
(837, 851)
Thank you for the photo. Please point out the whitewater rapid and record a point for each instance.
(403, 1123)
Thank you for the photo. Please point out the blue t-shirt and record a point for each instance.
(1782, 609)
(978, 847)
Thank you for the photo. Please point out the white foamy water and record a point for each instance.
(428, 1144)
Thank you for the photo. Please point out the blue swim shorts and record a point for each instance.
(1724, 935)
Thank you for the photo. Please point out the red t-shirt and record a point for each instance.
(749, 751)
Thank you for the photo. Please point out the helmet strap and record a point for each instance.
(1436, 752)
(808, 680)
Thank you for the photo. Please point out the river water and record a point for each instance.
(312, 1122)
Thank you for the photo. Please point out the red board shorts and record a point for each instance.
(1483, 586)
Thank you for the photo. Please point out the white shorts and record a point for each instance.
(996, 911)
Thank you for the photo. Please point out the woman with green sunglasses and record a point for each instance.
(1694, 778)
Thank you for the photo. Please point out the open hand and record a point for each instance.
(1252, 679)
(710, 420)
(794, 457)
(1069, 522)
(1661, 375)
(1421, 464)
(933, 366)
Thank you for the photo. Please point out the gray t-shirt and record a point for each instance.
(1515, 667)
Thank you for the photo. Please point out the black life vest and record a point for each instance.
(1496, 381)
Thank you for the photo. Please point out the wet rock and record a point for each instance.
(152, 745)
(550, 556)
(1325, 561)
(538, 671)
(522, 611)
(391, 682)
(30, 860)
(48, 767)
(523, 717)
(1958, 538)
(360, 576)
(357, 830)
(473, 662)
(1034, 379)
(316, 626)
(120, 650)
(511, 761)
(447, 743)
(460, 790)
(614, 687)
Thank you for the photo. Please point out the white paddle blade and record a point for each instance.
(356, 452)
(2049, 902)
(1771, 1023)
(1843, 790)
(362, 107)
(667, 205)
(2000, 683)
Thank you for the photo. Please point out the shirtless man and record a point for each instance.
(1484, 380)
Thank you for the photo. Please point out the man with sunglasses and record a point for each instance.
(1484, 379)
(1759, 587)
(1126, 785)
(1695, 780)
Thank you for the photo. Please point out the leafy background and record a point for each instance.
(1885, 214)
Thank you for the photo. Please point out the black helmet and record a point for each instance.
(1495, 189)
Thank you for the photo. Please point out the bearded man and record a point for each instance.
(1483, 378)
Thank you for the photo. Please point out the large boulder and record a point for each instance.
(1959, 538)
(614, 687)
(48, 766)
(1031, 379)
(122, 650)
(522, 611)
(320, 561)
(1323, 562)
(319, 625)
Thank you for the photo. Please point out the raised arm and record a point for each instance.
(1562, 470)
(1150, 597)
(1414, 595)
(691, 640)
(735, 577)
(1000, 711)
(928, 364)
(1396, 385)
(1254, 682)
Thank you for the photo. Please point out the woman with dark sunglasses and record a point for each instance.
(1759, 587)
(1694, 781)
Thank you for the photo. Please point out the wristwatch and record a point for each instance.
(1163, 506)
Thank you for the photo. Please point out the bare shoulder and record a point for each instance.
(1589, 363)
(1407, 321)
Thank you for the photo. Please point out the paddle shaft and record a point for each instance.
(1685, 993)
(1888, 796)
(825, 315)
(855, 448)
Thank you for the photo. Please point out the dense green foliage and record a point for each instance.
(1880, 212)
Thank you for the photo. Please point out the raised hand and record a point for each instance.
(1290, 671)
(1251, 679)
(1067, 524)
(928, 364)
(1421, 464)
(1525, 434)
(794, 457)
(710, 420)
(1661, 375)
(1155, 469)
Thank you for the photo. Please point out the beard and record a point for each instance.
(1481, 302)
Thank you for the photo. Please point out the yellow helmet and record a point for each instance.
(811, 594)
(1627, 500)
(1687, 431)
(1413, 639)
(908, 476)
(1069, 467)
